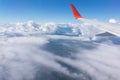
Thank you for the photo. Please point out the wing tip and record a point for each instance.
(75, 12)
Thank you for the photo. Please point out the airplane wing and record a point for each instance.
(107, 27)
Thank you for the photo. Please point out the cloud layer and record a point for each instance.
(32, 51)
(31, 28)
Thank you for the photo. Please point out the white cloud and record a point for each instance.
(18, 55)
(113, 21)
(30, 27)
(101, 63)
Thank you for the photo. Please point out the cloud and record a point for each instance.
(23, 54)
(33, 28)
(113, 21)
(16, 57)
(22, 57)
(101, 63)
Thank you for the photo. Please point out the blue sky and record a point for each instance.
(57, 10)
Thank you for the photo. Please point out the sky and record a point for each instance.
(57, 10)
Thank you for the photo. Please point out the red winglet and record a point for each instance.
(75, 12)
